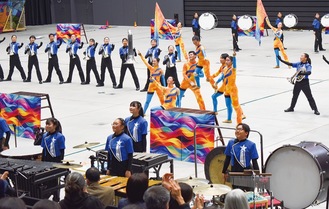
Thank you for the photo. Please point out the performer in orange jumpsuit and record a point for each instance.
(189, 81)
(220, 90)
(231, 89)
(169, 93)
(203, 62)
(179, 42)
(157, 73)
(278, 46)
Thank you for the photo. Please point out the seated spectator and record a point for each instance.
(12, 203)
(187, 194)
(156, 197)
(133, 206)
(5, 188)
(236, 199)
(46, 204)
(105, 194)
(136, 186)
(76, 195)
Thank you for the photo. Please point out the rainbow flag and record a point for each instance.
(159, 19)
(260, 14)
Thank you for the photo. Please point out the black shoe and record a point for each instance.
(284, 48)
(26, 81)
(40, 82)
(46, 81)
(316, 51)
(143, 90)
(1, 79)
(239, 49)
(84, 83)
(115, 85)
(61, 82)
(322, 49)
(118, 87)
(99, 85)
(137, 89)
(289, 109)
(316, 112)
(67, 81)
(7, 79)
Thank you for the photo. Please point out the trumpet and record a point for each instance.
(296, 77)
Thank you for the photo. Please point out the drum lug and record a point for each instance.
(322, 172)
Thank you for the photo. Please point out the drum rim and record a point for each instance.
(327, 17)
(215, 20)
(306, 151)
(207, 165)
(290, 14)
(250, 17)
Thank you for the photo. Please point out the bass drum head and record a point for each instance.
(295, 176)
(290, 20)
(208, 21)
(213, 166)
(245, 22)
(325, 20)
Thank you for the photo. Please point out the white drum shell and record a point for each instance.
(245, 22)
(208, 21)
(290, 20)
(325, 20)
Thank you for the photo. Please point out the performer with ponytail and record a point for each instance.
(137, 126)
(170, 94)
(189, 81)
(305, 68)
(91, 63)
(203, 63)
(179, 43)
(157, 73)
(278, 46)
(220, 90)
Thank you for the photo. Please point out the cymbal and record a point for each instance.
(67, 165)
(193, 182)
(86, 144)
(212, 189)
(67, 161)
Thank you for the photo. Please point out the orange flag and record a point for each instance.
(260, 14)
(159, 19)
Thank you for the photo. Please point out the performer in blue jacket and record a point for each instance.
(32, 50)
(14, 60)
(91, 63)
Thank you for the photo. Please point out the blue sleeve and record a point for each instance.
(232, 25)
(253, 152)
(277, 21)
(4, 126)
(129, 145)
(163, 80)
(43, 145)
(234, 62)
(107, 147)
(144, 127)
(61, 142)
(309, 68)
(120, 51)
(229, 148)
(220, 78)
(295, 65)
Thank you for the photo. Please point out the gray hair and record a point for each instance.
(156, 197)
(75, 184)
(236, 199)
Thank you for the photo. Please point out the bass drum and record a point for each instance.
(208, 21)
(213, 166)
(300, 174)
(290, 20)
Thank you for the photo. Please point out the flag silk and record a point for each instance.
(159, 19)
(260, 14)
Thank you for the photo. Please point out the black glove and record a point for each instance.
(113, 47)
(4, 38)
(279, 57)
(324, 58)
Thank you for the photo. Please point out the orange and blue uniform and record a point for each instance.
(203, 63)
(157, 73)
(170, 95)
(278, 46)
(179, 43)
(189, 82)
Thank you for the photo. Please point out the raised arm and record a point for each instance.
(269, 24)
(284, 62)
(40, 45)
(144, 60)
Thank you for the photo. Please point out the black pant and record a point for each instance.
(91, 65)
(53, 63)
(107, 63)
(75, 61)
(197, 32)
(132, 71)
(1, 73)
(148, 79)
(33, 60)
(235, 41)
(282, 38)
(140, 146)
(172, 71)
(304, 86)
(318, 41)
(14, 61)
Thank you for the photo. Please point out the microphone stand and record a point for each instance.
(97, 158)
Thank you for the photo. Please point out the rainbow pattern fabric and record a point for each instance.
(252, 31)
(16, 7)
(22, 111)
(172, 133)
(165, 31)
(63, 31)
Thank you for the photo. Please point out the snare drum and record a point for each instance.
(245, 22)
(300, 174)
(325, 20)
(290, 20)
(208, 21)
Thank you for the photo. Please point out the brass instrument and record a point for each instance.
(296, 77)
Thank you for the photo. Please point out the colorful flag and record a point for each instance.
(159, 19)
(260, 14)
